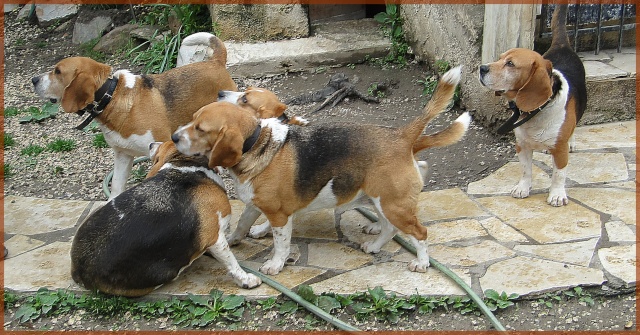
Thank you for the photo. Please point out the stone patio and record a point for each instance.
(489, 239)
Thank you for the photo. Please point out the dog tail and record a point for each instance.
(448, 136)
(559, 27)
(438, 103)
(202, 46)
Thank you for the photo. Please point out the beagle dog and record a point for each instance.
(548, 95)
(135, 110)
(282, 170)
(263, 102)
(147, 235)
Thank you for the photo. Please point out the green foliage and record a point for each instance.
(427, 304)
(430, 83)
(494, 300)
(61, 145)
(12, 111)
(99, 141)
(7, 170)
(288, 307)
(32, 150)
(582, 295)
(49, 110)
(86, 50)
(382, 306)
(8, 140)
(392, 28)
(159, 55)
(268, 303)
(205, 310)
(374, 91)
(138, 174)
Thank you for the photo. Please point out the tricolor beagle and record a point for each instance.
(263, 102)
(551, 92)
(147, 235)
(135, 110)
(281, 170)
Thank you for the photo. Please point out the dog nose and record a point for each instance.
(35, 80)
(484, 69)
(175, 138)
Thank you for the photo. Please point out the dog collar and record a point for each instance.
(283, 118)
(101, 99)
(251, 141)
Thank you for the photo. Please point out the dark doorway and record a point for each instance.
(332, 13)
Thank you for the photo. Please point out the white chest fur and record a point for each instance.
(134, 145)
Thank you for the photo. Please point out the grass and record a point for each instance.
(61, 145)
(32, 150)
(8, 170)
(99, 141)
(8, 140)
(86, 50)
(12, 111)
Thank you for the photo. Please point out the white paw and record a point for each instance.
(249, 281)
(234, 240)
(372, 228)
(557, 198)
(260, 231)
(370, 248)
(416, 266)
(271, 267)
(520, 191)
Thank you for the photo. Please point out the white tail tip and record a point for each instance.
(465, 119)
(453, 76)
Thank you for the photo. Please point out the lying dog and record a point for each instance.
(148, 234)
(551, 92)
(135, 110)
(282, 170)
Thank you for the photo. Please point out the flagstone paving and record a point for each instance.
(491, 240)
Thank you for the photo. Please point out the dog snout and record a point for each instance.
(175, 137)
(35, 80)
(484, 69)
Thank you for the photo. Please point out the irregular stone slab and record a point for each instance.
(577, 253)
(87, 31)
(625, 62)
(527, 275)
(608, 135)
(617, 202)
(48, 266)
(544, 223)
(116, 39)
(10, 7)
(618, 231)
(601, 71)
(20, 244)
(629, 185)
(503, 180)
(502, 232)
(316, 224)
(591, 167)
(446, 204)
(393, 276)
(471, 255)
(48, 14)
(455, 230)
(29, 216)
(336, 256)
(621, 262)
(351, 225)
(207, 273)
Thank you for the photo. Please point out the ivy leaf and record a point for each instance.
(328, 303)
(232, 302)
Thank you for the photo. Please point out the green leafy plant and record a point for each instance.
(205, 310)
(12, 111)
(138, 174)
(327, 303)
(495, 300)
(392, 28)
(8, 170)
(382, 306)
(32, 150)
(582, 295)
(430, 83)
(99, 141)
(58, 170)
(8, 140)
(375, 91)
(87, 50)
(288, 307)
(61, 145)
(425, 304)
(49, 110)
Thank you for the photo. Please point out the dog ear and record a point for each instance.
(79, 93)
(535, 92)
(153, 149)
(227, 150)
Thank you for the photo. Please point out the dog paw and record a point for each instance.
(520, 191)
(372, 228)
(557, 198)
(416, 266)
(369, 247)
(233, 240)
(250, 281)
(271, 267)
(260, 231)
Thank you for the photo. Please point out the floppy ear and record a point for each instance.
(227, 150)
(537, 90)
(79, 93)
(265, 112)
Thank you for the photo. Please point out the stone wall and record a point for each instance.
(260, 22)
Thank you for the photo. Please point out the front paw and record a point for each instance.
(372, 228)
(417, 266)
(234, 239)
(260, 231)
(557, 198)
(271, 267)
(369, 247)
(521, 190)
(249, 281)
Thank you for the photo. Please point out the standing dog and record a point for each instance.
(550, 91)
(135, 110)
(148, 234)
(282, 170)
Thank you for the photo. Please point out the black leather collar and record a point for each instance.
(251, 141)
(101, 99)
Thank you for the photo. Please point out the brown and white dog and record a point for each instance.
(281, 170)
(135, 110)
(263, 102)
(550, 91)
(147, 235)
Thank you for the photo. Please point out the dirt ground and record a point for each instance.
(31, 50)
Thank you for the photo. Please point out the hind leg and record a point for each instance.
(387, 231)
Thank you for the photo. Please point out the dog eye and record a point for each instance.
(510, 63)
(244, 99)
(56, 71)
(197, 128)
